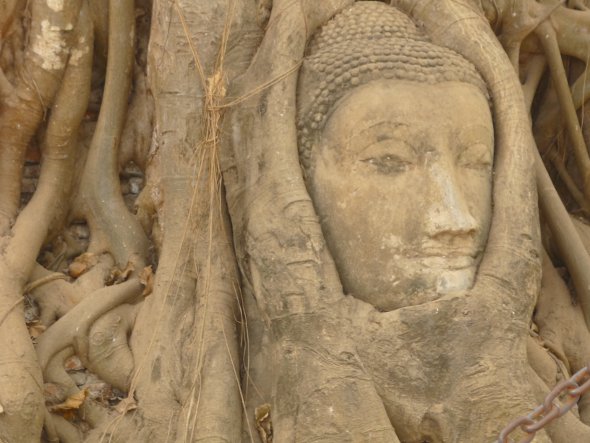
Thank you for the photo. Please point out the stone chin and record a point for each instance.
(455, 280)
(412, 281)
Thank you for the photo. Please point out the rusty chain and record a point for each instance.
(566, 392)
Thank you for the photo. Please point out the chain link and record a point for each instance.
(558, 402)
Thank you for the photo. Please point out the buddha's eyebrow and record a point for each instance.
(387, 126)
(470, 130)
(385, 130)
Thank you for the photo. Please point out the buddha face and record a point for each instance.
(401, 178)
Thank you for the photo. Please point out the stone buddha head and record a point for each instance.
(396, 140)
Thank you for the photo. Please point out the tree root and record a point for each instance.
(31, 227)
(65, 431)
(56, 373)
(77, 322)
(99, 11)
(534, 72)
(568, 181)
(107, 353)
(112, 427)
(113, 228)
(573, 32)
(96, 322)
(8, 14)
(20, 376)
(570, 248)
(571, 27)
(137, 133)
(546, 35)
(568, 242)
(562, 326)
(91, 411)
(50, 430)
(57, 297)
(39, 80)
(44, 280)
(520, 21)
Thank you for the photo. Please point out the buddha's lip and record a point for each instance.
(448, 262)
(448, 251)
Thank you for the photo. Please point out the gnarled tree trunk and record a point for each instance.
(169, 280)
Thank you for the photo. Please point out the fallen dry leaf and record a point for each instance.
(82, 263)
(119, 276)
(72, 403)
(146, 278)
(263, 423)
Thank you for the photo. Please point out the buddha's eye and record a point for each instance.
(388, 164)
(476, 156)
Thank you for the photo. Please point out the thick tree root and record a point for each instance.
(568, 242)
(108, 354)
(193, 393)
(562, 327)
(39, 81)
(77, 322)
(21, 399)
(56, 373)
(547, 37)
(114, 229)
(24, 410)
(56, 297)
(534, 72)
(65, 431)
(31, 227)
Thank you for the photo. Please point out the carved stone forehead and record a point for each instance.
(369, 41)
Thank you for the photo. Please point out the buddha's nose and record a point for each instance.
(448, 215)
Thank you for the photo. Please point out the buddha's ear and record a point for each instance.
(511, 262)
